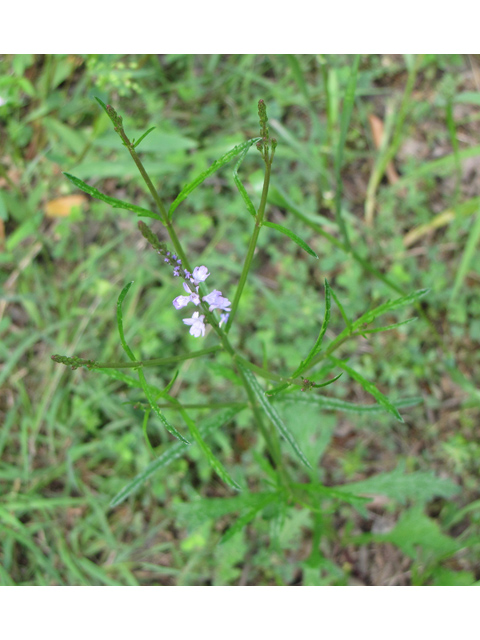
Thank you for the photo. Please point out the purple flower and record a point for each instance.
(200, 274)
(197, 328)
(223, 318)
(182, 301)
(217, 301)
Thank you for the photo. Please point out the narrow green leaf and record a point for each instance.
(118, 204)
(143, 136)
(214, 462)
(292, 236)
(141, 376)
(103, 105)
(371, 315)
(175, 451)
(335, 404)
(326, 319)
(239, 184)
(369, 388)
(184, 193)
(388, 327)
(342, 310)
(271, 412)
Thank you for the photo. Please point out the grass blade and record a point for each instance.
(185, 192)
(369, 388)
(467, 257)
(348, 103)
(118, 204)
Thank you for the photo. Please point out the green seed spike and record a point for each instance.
(151, 237)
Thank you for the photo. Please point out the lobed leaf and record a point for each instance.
(420, 486)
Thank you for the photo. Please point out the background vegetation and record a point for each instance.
(71, 440)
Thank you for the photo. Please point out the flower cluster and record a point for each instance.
(191, 284)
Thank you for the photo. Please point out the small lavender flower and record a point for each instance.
(182, 301)
(197, 323)
(223, 318)
(217, 301)
(200, 274)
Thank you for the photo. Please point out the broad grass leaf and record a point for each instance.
(175, 451)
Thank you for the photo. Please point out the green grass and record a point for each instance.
(83, 499)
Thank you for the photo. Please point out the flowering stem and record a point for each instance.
(252, 245)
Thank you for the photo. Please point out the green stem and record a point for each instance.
(251, 247)
(155, 362)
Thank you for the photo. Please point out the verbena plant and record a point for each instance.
(264, 391)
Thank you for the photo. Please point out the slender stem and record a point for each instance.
(251, 247)
(155, 362)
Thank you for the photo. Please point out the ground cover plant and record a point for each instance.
(302, 312)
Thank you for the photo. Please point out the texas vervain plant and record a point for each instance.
(214, 315)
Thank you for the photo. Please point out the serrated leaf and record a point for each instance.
(214, 462)
(371, 315)
(335, 404)
(388, 327)
(119, 204)
(175, 451)
(185, 192)
(271, 412)
(369, 388)
(293, 236)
